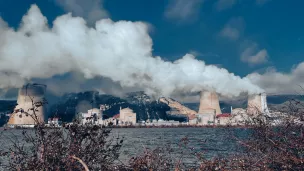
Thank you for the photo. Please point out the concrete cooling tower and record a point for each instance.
(257, 104)
(23, 115)
(209, 103)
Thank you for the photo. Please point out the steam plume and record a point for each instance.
(121, 51)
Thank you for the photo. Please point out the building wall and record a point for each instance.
(127, 116)
(206, 119)
(90, 114)
(224, 120)
(193, 121)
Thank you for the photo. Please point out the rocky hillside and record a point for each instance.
(176, 108)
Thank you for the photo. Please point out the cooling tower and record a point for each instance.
(209, 103)
(23, 115)
(257, 104)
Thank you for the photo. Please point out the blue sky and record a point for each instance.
(243, 36)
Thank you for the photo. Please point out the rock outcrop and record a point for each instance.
(177, 108)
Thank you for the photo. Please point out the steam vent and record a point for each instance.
(209, 103)
(23, 115)
(257, 104)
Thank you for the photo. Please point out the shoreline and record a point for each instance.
(186, 126)
(147, 127)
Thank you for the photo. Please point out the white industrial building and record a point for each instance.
(94, 116)
(127, 117)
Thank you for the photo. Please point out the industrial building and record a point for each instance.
(223, 119)
(94, 116)
(162, 122)
(54, 122)
(210, 112)
(127, 117)
(24, 115)
(110, 121)
(206, 119)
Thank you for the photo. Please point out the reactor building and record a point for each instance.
(23, 114)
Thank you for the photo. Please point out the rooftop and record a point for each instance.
(224, 115)
(116, 116)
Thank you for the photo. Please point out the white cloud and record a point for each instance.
(120, 51)
(233, 29)
(253, 56)
(281, 83)
(221, 5)
(230, 32)
(91, 10)
(183, 9)
(76, 82)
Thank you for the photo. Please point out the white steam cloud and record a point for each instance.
(121, 51)
(281, 83)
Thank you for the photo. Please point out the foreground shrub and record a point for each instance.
(73, 148)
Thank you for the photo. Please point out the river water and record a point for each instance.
(212, 141)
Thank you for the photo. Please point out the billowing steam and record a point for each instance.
(121, 51)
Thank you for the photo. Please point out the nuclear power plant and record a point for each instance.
(23, 114)
(257, 104)
(209, 103)
(210, 112)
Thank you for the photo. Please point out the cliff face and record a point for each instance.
(176, 107)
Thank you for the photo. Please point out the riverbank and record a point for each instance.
(184, 126)
(139, 127)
